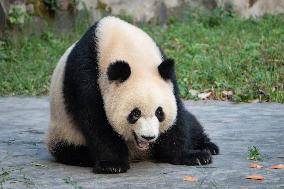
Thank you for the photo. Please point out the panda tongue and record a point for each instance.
(143, 145)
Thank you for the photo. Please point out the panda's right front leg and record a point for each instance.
(110, 158)
(107, 149)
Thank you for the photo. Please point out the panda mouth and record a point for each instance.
(141, 145)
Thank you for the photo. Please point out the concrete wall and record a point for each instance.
(254, 8)
(139, 10)
(145, 10)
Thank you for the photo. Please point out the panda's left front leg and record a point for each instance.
(178, 146)
(175, 148)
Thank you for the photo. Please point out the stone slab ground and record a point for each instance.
(25, 162)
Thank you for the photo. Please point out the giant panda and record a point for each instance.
(114, 99)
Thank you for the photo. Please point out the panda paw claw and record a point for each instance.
(212, 148)
(197, 158)
(109, 167)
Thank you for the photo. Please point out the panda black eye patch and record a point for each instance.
(160, 114)
(134, 115)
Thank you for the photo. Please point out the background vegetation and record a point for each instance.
(235, 59)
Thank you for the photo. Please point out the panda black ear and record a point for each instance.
(118, 71)
(167, 69)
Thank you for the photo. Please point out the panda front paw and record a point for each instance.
(212, 148)
(196, 157)
(110, 167)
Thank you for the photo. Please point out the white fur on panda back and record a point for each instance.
(61, 127)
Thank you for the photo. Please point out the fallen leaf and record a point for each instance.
(255, 165)
(254, 101)
(193, 92)
(38, 164)
(278, 166)
(204, 96)
(227, 93)
(190, 178)
(255, 177)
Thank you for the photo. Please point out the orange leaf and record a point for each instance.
(190, 178)
(278, 166)
(255, 165)
(255, 177)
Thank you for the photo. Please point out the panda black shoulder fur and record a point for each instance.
(114, 99)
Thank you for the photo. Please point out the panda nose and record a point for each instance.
(148, 137)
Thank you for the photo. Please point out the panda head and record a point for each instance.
(140, 102)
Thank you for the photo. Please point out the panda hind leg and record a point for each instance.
(71, 154)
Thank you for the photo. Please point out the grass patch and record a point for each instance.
(214, 52)
(243, 56)
(26, 63)
(254, 153)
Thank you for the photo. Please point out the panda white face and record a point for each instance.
(139, 105)
(140, 115)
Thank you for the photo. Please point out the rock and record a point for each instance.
(139, 10)
(205, 95)
(91, 7)
(30, 8)
(64, 21)
(253, 8)
(63, 4)
(209, 4)
(262, 7)
(146, 10)
(3, 16)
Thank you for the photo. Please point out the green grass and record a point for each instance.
(26, 63)
(254, 153)
(214, 53)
